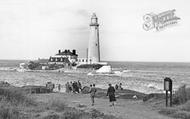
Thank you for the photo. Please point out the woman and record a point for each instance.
(111, 94)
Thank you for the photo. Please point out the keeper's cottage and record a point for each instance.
(65, 57)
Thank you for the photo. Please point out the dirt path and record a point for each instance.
(126, 109)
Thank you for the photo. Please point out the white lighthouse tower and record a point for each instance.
(94, 46)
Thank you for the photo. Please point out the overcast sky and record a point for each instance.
(31, 29)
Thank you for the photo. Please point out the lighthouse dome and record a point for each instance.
(94, 15)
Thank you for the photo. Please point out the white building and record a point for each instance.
(64, 57)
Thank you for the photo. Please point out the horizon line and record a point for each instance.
(111, 61)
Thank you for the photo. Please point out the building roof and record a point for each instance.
(67, 52)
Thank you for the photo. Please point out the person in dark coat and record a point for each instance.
(111, 94)
(74, 87)
(116, 87)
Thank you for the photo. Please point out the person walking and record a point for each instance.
(67, 87)
(111, 94)
(92, 91)
(79, 85)
(116, 87)
(71, 86)
(76, 87)
(59, 87)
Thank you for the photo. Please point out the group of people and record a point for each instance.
(118, 86)
(74, 87)
(110, 94)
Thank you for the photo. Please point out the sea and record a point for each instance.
(146, 77)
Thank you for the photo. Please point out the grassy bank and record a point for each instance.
(12, 101)
(181, 103)
(16, 104)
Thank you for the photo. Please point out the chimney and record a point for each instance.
(74, 52)
(59, 51)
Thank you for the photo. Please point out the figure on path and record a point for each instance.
(116, 87)
(59, 87)
(71, 86)
(79, 85)
(67, 86)
(92, 93)
(111, 94)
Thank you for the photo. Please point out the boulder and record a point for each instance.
(85, 90)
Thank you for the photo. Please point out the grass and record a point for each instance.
(12, 101)
(15, 104)
(176, 113)
(58, 105)
(181, 96)
(72, 113)
(62, 111)
(15, 96)
(181, 104)
(7, 111)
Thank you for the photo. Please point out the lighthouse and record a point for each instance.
(94, 45)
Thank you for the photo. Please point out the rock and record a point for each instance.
(134, 97)
(50, 86)
(85, 90)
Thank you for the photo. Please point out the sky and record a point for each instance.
(31, 29)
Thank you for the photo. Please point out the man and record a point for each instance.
(76, 87)
(79, 85)
(111, 94)
(71, 86)
(67, 86)
(59, 87)
(92, 93)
